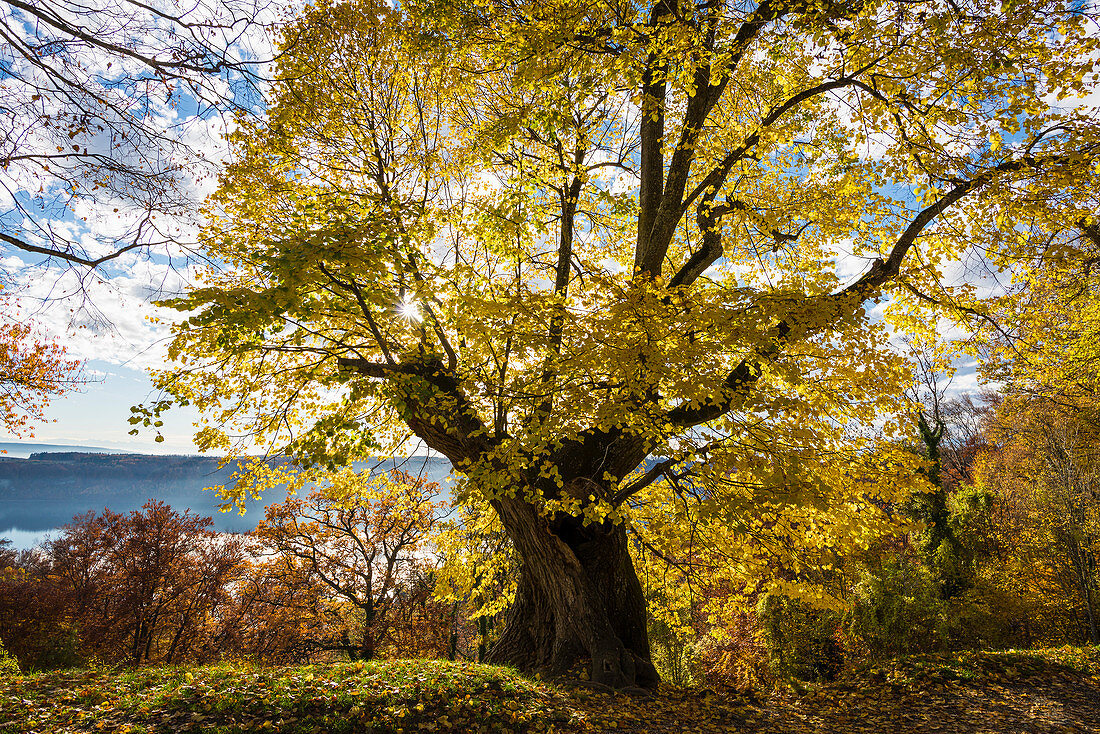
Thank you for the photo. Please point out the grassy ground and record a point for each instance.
(1038, 691)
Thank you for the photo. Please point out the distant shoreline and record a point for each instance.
(21, 450)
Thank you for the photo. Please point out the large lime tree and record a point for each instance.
(624, 264)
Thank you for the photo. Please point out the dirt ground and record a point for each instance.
(1002, 695)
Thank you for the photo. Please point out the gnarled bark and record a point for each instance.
(578, 594)
(578, 597)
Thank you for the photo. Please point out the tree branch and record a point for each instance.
(67, 256)
(654, 472)
(747, 372)
(650, 257)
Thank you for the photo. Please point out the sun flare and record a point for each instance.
(410, 311)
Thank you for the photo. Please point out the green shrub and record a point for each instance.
(61, 650)
(674, 656)
(986, 618)
(801, 641)
(8, 664)
(898, 611)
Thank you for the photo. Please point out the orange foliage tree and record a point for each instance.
(145, 585)
(35, 624)
(1043, 471)
(275, 613)
(31, 370)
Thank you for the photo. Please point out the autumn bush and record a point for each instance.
(8, 664)
(36, 625)
(984, 617)
(421, 625)
(674, 653)
(803, 642)
(897, 611)
(733, 653)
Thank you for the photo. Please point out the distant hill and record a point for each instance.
(46, 489)
(19, 450)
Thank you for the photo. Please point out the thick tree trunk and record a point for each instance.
(578, 594)
(367, 643)
(578, 598)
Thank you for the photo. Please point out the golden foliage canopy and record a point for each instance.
(549, 239)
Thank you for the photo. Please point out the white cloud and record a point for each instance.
(112, 323)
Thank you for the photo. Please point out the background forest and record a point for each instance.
(678, 289)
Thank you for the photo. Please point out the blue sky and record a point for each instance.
(97, 414)
(136, 118)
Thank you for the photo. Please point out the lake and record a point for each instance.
(44, 490)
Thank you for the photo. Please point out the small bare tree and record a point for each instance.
(360, 537)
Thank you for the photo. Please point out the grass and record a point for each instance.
(997, 666)
(416, 696)
(398, 696)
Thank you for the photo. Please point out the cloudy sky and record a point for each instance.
(70, 105)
